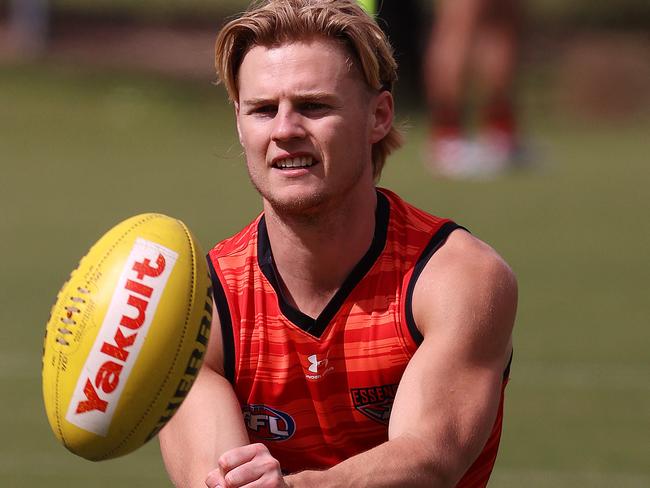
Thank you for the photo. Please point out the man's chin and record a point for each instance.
(296, 205)
(301, 203)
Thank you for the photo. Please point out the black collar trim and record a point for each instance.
(437, 240)
(317, 326)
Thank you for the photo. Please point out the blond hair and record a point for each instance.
(273, 22)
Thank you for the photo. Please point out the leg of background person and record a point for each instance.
(448, 54)
(28, 26)
(495, 60)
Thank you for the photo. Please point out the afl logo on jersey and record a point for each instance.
(268, 424)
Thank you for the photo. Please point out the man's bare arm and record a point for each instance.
(208, 423)
(447, 401)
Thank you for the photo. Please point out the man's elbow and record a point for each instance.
(438, 464)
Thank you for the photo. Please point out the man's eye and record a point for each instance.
(265, 110)
(314, 109)
(313, 106)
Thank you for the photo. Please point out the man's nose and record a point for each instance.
(288, 124)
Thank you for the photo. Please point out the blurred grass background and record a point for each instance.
(83, 147)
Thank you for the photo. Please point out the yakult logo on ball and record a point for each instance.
(121, 336)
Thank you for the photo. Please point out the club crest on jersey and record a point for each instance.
(268, 424)
(375, 402)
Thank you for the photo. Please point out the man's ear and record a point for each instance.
(382, 116)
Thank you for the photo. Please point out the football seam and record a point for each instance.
(60, 353)
(188, 314)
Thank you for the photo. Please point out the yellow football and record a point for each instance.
(126, 337)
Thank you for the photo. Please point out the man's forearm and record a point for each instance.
(404, 462)
(203, 428)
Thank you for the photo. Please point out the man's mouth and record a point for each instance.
(295, 162)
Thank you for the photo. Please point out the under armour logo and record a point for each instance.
(314, 363)
(318, 367)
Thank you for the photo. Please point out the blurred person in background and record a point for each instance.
(473, 44)
(28, 26)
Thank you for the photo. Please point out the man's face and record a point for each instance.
(307, 122)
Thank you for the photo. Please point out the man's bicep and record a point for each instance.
(449, 395)
(446, 408)
(442, 399)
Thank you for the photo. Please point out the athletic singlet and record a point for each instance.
(317, 391)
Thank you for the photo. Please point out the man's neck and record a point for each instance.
(314, 255)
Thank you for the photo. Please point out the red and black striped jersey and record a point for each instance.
(317, 391)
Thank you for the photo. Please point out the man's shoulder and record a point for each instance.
(465, 277)
(468, 256)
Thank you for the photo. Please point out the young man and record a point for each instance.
(365, 342)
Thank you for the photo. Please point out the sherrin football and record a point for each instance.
(126, 337)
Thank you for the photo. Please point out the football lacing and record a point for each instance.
(68, 320)
(64, 330)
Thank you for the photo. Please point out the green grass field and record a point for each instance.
(80, 151)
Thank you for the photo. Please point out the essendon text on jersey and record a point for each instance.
(121, 336)
(375, 402)
(268, 424)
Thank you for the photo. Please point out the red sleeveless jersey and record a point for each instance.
(317, 391)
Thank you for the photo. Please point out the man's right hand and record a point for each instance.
(251, 466)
